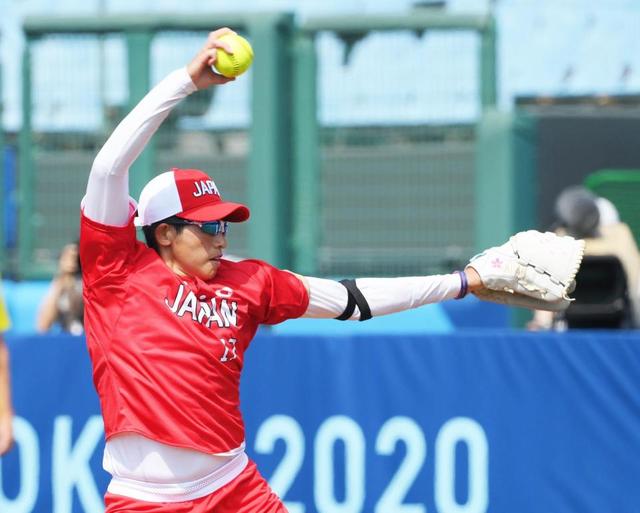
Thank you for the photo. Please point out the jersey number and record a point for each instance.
(229, 347)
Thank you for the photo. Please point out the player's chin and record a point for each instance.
(209, 269)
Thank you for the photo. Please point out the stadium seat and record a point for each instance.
(601, 295)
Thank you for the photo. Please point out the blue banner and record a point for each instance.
(460, 423)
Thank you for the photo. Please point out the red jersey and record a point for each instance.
(167, 351)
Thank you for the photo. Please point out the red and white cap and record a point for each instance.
(189, 194)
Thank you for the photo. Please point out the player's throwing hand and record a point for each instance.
(200, 68)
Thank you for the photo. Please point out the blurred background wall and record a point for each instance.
(377, 149)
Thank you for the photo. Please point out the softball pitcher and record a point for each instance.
(168, 322)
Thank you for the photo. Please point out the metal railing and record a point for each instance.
(285, 169)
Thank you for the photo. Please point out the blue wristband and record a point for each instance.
(464, 285)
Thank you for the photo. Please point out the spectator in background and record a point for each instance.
(583, 215)
(63, 305)
(6, 410)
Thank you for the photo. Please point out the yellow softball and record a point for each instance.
(236, 63)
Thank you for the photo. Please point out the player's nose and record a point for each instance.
(220, 241)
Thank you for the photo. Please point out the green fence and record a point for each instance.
(329, 194)
(391, 194)
(622, 188)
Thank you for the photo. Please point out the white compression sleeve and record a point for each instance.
(328, 298)
(107, 198)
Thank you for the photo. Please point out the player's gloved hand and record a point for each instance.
(533, 270)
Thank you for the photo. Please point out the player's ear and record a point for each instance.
(165, 234)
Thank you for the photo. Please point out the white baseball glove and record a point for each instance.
(532, 270)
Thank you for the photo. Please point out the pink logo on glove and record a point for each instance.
(496, 263)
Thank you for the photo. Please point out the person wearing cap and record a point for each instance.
(167, 322)
(583, 215)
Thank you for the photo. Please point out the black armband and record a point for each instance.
(354, 297)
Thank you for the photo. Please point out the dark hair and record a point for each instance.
(577, 211)
(150, 231)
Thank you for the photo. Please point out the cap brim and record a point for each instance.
(221, 211)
